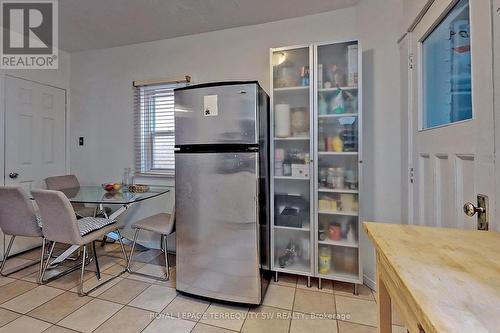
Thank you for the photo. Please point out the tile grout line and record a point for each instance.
(293, 306)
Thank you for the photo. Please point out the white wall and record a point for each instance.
(411, 9)
(378, 22)
(101, 79)
(101, 89)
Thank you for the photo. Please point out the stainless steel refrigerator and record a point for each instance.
(222, 191)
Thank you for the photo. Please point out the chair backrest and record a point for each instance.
(17, 215)
(58, 183)
(58, 217)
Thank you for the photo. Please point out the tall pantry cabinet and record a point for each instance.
(316, 160)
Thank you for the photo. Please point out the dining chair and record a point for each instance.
(163, 224)
(18, 218)
(65, 182)
(60, 225)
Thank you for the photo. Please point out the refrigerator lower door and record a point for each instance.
(216, 226)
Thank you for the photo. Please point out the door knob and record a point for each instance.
(481, 210)
(471, 210)
(13, 175)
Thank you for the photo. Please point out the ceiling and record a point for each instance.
(93, 24)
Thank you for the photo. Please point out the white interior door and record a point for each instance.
(452, 113)
(35, 132)
(35, 139)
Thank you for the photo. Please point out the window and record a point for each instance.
(154, 125)
(446, 70)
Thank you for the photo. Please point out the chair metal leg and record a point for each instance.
(97, 270)
(6, 254)
(120, 239)
(80, 286)
(164, 244)
(39, 280)
(132, 251)
(167, 266)
(47, 262)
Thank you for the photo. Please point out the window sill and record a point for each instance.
(155, 179)
(154, 175)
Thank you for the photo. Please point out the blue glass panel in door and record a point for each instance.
(446, 70)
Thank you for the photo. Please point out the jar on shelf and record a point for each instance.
(334, 232)
(339, 178)
(323, 178)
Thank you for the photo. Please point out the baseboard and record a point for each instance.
(370, 283)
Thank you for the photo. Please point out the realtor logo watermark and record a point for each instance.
(29, 38)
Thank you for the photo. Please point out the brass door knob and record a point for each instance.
(471, 210)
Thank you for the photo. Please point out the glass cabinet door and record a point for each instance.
(337, 157)
(291, 187)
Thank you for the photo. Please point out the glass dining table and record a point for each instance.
(96, 195)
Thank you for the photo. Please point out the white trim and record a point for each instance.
(369, 282)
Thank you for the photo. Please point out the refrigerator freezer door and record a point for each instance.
(216, 115)
(216, 223)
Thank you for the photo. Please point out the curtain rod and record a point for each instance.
(140, 83)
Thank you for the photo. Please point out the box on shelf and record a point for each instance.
(352, 65)
(300, 170)
(291, 210)
(320, 76)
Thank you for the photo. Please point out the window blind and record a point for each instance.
(154, 128)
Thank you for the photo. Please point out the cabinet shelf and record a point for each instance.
(336, 212)
(341, 153)
(296, 88)
(343, 243)
(337, 115)
(305, 228)
(298, 267)
(334, 190)
(293, 138)
(343, 277)
(337, 88)
(290, 178)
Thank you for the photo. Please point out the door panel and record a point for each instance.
(453, 162)
(216, 214)
(235, 121)
(35, 138)
(35, 132)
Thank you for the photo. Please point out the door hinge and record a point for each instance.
(411, 175)
(410, 61)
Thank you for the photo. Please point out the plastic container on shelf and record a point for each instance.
(282, 120)
(325, 259)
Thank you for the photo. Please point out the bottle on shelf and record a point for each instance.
(325, 258)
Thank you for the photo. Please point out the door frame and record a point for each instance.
(3, 113)
(404, 45)
(495, 12)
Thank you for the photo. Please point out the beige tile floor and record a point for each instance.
(133, 304)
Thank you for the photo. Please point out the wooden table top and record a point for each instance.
(453, 275)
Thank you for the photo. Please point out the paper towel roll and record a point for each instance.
(282, 120)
